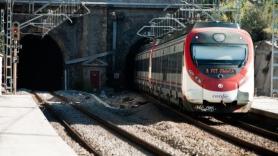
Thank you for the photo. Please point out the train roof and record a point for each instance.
(189, 27)
(216, 24)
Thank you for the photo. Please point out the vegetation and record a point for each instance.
(254, 18)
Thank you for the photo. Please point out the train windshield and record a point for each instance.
(226, 55)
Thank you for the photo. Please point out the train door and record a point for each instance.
(95, 79)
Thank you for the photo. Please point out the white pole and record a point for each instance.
(65, 79)
(0, 74)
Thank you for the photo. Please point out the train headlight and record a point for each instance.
(219, 37)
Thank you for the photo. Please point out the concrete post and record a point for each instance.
(1, 56)
(65, 79)
(15, 59)
(114, 40)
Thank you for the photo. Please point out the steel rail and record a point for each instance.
(75, 134)
(251, 128)
(120, 131)
(223, 135)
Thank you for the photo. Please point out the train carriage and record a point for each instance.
(208, 69)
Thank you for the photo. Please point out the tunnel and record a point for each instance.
(130, 62)
(40, 64)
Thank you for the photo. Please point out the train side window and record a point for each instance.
(154, 65)
(180, 47)
(178, 62)
(160, 64)
(164, 63)
(140, 65)
(157, 65)
(173, 63)
(169, 63)
(146, 64)
(143, 65)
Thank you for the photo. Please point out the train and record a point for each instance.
(208, 68)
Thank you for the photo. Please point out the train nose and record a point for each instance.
(221, 92)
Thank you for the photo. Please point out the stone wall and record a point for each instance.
(262, 67)
(128, 23)
(92, 34)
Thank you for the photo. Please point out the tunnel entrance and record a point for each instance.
(130, 62)
(40, 64)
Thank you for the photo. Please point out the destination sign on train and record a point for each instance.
(220, 71)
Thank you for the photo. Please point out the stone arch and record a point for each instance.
(129, 64)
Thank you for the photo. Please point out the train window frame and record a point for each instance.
(242, 63)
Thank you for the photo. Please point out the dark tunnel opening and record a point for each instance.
(130, 62)
(40, 64)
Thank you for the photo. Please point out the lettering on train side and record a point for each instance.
(220, 96)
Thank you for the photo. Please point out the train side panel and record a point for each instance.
(163, 78)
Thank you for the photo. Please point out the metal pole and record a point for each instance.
(114, 41)
(272, 52)
(238, 6)
(2, 50)
(15, 67)
(65, 79)
(1, 73)
(8, 49)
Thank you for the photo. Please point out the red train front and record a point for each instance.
(219, 68)
(217, 72)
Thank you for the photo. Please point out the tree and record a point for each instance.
(254, 17)
(254, 22)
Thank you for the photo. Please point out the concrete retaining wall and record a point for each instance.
(262, 67)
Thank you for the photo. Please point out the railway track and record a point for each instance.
(75, 134)
(222, 134)
(115, 129)
(238, 122)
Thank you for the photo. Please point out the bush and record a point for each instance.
(254, 18)
(253, 22)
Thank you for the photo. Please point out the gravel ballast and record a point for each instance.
(105, 142)
(133, 113)
(60, 129)
(246, 135)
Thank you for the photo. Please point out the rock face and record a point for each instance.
(263, 51)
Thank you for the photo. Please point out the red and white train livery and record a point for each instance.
(209, 69)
